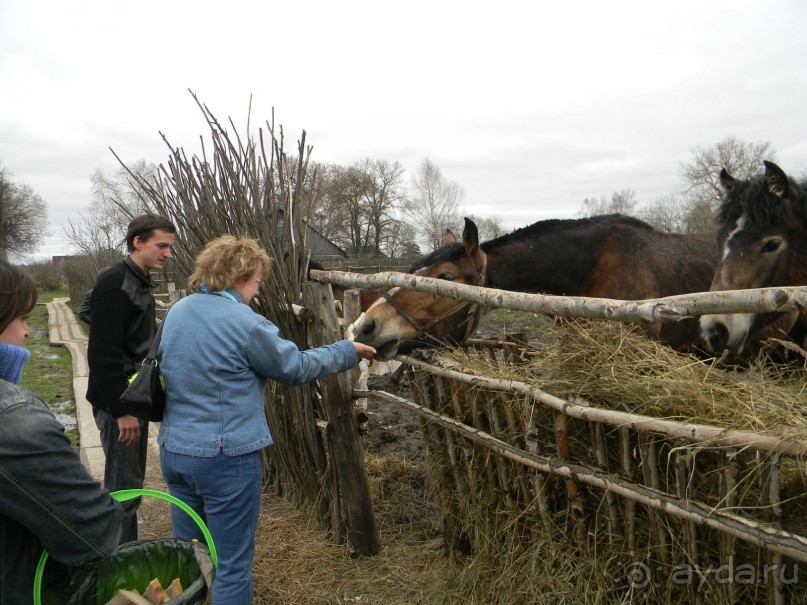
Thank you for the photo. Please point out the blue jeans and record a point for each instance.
(125, 466)
(225, 491)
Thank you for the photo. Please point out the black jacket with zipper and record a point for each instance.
(121, 328)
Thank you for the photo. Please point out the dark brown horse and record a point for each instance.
(763, 237)
(610, 256)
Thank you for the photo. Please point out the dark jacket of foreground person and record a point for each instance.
(47, 498)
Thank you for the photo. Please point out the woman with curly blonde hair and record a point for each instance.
(215, 355)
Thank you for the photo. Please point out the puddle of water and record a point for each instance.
(68, 422)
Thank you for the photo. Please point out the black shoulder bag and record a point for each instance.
(145, 395)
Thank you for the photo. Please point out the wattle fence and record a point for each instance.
(697, 513)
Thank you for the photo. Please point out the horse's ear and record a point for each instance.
(728, 182)
(776, 179)
(470, 238)
(449, 237)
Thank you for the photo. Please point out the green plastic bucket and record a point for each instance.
(135, 564)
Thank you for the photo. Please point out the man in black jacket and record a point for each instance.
(122, 325)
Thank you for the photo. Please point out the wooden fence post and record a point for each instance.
(346, 447)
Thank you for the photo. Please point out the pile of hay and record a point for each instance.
(615, 366)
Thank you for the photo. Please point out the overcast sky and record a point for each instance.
(529, 106)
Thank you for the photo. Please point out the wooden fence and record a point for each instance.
(701, 510)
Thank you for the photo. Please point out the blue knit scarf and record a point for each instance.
(12, 361)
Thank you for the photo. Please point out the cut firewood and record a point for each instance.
(155, 593)
(174, 590)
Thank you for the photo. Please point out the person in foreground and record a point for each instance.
(48, 500)
(122, 326)
(215, 355)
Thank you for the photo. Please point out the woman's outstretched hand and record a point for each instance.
(363, 351)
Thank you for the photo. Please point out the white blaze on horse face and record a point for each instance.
(353, 329)
(736, 325)
(382, 300)
(738, 226)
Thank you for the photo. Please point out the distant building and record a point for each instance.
(321, 247)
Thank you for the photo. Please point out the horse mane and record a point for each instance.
(550, 225)
(438, 256)
(754, 200)
(538, 228)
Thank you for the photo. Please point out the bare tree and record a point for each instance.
(699, 216)
(400, 241)
(667, 213)
(348, 190)
(312, 203)
(23, 217)
(355, 205)
(382, 199)
(124, 191)
(319, 205)
(100, 232)
(621, 202)
(701, 175)
(434, 204)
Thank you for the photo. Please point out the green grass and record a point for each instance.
(46, 297)
(49, 373)
(517, 321)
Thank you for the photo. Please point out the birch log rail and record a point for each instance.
(687, 430)
(668, 309)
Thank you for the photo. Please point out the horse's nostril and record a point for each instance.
(717, 337)
(368, 328)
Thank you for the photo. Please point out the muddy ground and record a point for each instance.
(393, 430)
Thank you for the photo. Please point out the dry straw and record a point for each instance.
(615, 366)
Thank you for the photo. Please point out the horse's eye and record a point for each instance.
(446, 276)
(772, 245)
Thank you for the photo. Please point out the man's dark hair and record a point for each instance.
(143, 226)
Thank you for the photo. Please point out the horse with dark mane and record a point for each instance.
(610, 256)
(763, 238)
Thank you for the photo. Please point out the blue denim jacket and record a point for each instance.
(47, 498)
(215, 355)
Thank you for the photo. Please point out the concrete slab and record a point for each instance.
(64, 329)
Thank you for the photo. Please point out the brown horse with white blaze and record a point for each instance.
(763, 238)
(610, 256)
